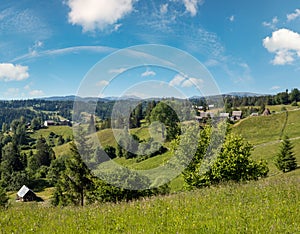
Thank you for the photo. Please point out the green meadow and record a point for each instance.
(270, 205)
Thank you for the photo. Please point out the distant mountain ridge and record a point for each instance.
(112, 98)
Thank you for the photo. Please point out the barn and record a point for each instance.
(25, 194)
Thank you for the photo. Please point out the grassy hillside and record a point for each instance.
(261, 129)
(264, 133)
(64, 131)
(270, 205)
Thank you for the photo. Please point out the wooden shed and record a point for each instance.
(25, 194)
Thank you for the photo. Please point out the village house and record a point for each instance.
(236, 115)
(224, 115)
(48, 123)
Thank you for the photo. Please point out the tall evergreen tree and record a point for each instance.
(285, 159)
(44, 154)
(76, 181)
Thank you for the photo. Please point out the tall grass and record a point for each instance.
(267, 206)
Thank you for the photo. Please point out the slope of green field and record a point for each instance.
(268, 152)
(64, 131)
(270, 205)
(261, 129)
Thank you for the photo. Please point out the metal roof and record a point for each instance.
(23, 191)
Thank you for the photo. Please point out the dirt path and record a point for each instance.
(274, 142)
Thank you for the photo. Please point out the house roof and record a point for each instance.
(23, 191)
(224, 114)
(236, 113)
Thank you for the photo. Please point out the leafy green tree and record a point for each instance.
(127, 145)
(231, 163)
(60, 140)
(234, 162)
(285, 159)
(35, 123)
(163, 113)
(3, 197)
(124, 188)
(44, 154)
(4, 127)
(294, 96)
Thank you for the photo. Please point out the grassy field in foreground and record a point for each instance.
(271, 205)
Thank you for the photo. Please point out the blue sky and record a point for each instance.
(47, 48)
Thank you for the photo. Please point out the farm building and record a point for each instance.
(236, 115)
(224, 115)
(266, 112)
(48, 123)
(25, 194)
(254, 114)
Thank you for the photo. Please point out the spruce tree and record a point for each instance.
(285, 159)
(3, 197)
(75, 183)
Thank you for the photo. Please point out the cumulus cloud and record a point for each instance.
(98, 14)
(191, 6)
(177, 80)
(102, 83)
(11, 72)
(271, 24)
(185, 82)
(36, 93)
(148, 73)
(285, 44)
(294, 15)
(192, 82)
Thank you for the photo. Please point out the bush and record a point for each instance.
(233, 163)
(294, 103)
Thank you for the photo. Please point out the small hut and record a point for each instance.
(25, 194)
(267, 112)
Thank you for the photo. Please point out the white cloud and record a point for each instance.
(271, 24)
(177, 80)
(98, 14)
(23, 22)
(12, 92)
(232, 18)
(285, 44)
(36, 93)
(102, 83)
(191, 6)
(148, 73)
(11, 72)
(294, 15)
(164, 8)
(68, 50)
(192, 82)
(117, 71)
(275, 87)
(185, 82)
